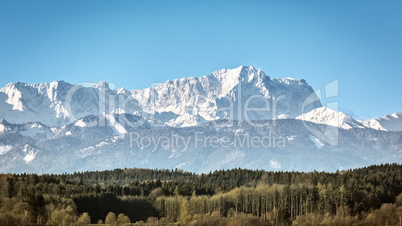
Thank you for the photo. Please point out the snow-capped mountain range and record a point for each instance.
(388, 123)
(182, 102)
(88, 127)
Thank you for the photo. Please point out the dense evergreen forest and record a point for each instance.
(365, 196)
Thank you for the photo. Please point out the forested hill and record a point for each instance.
(364, 195)
(232, 177)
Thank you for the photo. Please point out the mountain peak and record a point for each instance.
(395, 115)
(59, 83)
(239, 73)
(388, 122)
(327, 116)
(41, 86)
(246, 68)
(99, 85)
(14, 85)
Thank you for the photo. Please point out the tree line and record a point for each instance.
(364, 196)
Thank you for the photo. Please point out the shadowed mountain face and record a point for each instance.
(230, 118)
(283, 144)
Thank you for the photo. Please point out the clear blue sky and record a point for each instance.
(135, 43)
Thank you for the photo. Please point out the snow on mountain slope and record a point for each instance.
(225, 94)
(327, 116)
(186, 120)
(55, 104)
(30, 153)
(4, 149)
(34, 130)
(21, 103)
(2, 128)
(388, 123)
(94, 127)
(37, 131)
